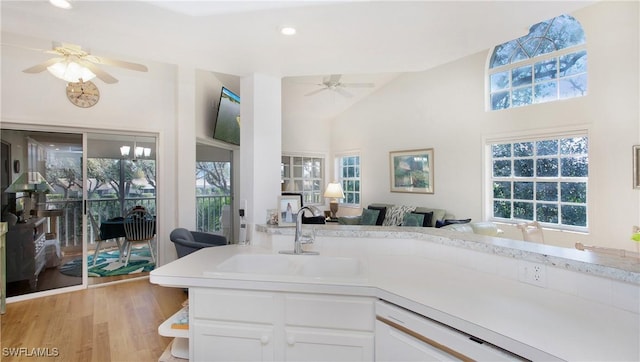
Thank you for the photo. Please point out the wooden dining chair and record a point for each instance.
(139, 227)
(532, 231)
(98, 239)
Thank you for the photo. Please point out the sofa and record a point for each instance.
(401, 215)
(394, 215)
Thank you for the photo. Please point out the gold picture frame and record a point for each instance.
(412, 171)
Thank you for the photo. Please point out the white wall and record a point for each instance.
(139, 102)
(444, 108)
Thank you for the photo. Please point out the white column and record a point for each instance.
(185, 212)
(260, 146)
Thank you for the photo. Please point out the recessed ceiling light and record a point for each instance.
(288, 30)
(62, 4)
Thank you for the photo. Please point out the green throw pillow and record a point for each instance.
(369, 217)
(412, 219)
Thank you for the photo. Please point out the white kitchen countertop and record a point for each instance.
(522, 318)
(625, 269)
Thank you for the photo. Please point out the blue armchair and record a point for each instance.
(187, 242)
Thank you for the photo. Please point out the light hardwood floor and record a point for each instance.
(117, 322)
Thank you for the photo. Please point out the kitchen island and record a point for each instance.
(523, 301)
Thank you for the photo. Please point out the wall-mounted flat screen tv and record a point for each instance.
(227, 127)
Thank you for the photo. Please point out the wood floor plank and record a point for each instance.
(117, 322)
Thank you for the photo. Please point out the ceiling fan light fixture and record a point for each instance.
(71, 71)
(62, 4)
(288, 30)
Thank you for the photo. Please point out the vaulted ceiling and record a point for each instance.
(367, 41)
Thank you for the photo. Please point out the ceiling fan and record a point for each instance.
(333, 83)
(70, 54)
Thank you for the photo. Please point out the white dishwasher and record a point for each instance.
(402, 335)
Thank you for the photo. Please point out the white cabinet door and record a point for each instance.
(226, 342)
(304, 344)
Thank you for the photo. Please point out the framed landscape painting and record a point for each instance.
(412, 171)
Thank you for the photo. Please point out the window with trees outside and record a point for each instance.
(117, 185)
(348, 171)
(213, 191)
(303, 174)
(542, 179)
(548, 64)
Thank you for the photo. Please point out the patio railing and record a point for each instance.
(69, 224)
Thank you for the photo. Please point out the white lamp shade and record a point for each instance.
(124, 150)
(334, 190)
(70, 71)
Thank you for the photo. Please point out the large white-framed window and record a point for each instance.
(348, 175)
(548, 64)
(303, 174)
(543, 178)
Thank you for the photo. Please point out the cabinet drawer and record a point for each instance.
(232, 305)
(330, 311)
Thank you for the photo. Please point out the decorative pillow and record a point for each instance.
(382, 211)
(446, 222)
(438, 214)
(349, 220)
(427, 218)
(395, 214)
(369, 217)
(413, 219)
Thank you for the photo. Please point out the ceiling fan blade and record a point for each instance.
(316, 91)
(358, 85)
(343, 92)
(117, 63)
(43, 66)
(101, 74)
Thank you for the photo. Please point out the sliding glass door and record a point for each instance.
(121, 175)
(50, 180)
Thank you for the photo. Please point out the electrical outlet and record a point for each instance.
(532, 273)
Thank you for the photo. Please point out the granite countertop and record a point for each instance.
(614, 267)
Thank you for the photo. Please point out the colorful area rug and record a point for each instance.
(108, 264)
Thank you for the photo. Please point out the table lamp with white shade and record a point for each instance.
(334, 192)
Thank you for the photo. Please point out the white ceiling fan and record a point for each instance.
(333, 83)
(72, 57)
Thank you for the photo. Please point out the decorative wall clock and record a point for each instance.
(83, 94)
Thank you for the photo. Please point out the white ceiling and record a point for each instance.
(367, 41)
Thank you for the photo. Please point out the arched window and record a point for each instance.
(548, 64)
